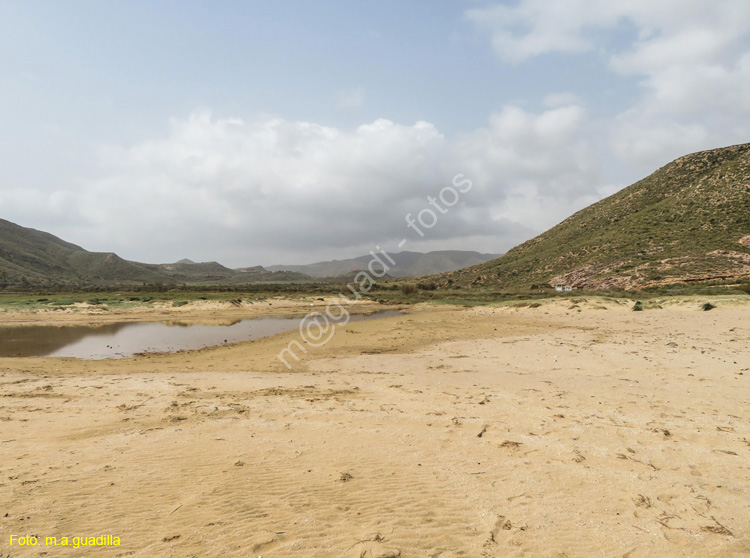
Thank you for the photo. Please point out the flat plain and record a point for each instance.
(567, 428)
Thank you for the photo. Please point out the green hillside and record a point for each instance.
(36, 258)
(689, 221)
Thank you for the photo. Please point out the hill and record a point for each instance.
(36, 257)
(32, 257)
(688, 221)
(213, 273)
(407, 264)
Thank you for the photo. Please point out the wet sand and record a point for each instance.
(445, 432)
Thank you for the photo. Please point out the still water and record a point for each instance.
(124, 339)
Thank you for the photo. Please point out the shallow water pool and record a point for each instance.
(125, 339)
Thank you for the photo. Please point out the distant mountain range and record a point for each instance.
(689, 221)
(407, 264)
(32, 257)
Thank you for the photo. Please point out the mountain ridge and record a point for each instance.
(32, 257)
(407, 263)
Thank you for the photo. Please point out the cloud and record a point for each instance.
(534, 169)
(273, 190)
(651, 142)
(30, 205)
(519, 146)
(535, 27)
(691, 59)
(278, 191)
(668, 31)
(350, 98)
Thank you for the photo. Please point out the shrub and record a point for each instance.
(707, 306)
(638, 306)
(427, 286)
(179, 303)
(408, 288)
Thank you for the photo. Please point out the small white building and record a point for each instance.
(566, 288)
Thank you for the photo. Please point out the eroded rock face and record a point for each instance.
(745, 240)
(589, 276)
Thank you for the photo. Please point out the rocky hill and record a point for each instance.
(689, 221)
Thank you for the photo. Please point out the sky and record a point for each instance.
(279, 132)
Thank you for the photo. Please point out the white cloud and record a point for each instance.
(272, 190)
(518, 145)
(276, 191)
(690, 57)
(651, 143)
(691, 30)
(537, 168)
(264, 182)
(534, 27)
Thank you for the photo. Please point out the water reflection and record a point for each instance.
(45, 340)
(124, 339)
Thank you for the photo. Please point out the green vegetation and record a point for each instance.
(388, 293)
(408, 288)
(20, 301)
(687, 222)
(33, 258)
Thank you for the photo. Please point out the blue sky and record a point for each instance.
(275, 132)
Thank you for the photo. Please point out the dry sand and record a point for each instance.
(444, 432)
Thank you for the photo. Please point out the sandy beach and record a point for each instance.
(571, 429)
